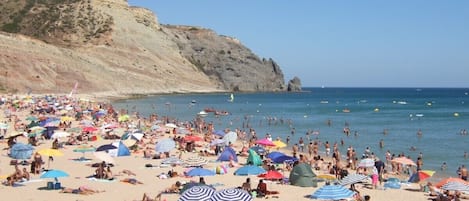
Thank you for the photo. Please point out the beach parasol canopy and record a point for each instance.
(265, 142)
(249, 170)
(60, 134)
(352, 179)
(366, 162)
(421, 175)
(171, 125)
(332, 192)
(404, 161)
(192, 138)
(279, 144)
(165, 145)
(53, 174)
(106, 147)
(195, 161)
(200, 172)
(83, 150)
(272, 175)
(232, 194)
(3, 126)
(50, 152)
(455, 186)
(450, 179)
(197, 193)
(230, 137)
(258, 149)
(21, 151)
(172, 161)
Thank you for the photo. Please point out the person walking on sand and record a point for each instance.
(463, 173)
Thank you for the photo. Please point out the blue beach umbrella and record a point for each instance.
(258, 149)
(54, 174)
(249, 170)
(332, 192)
(165, 145)
(197, 193)
(106, 147)
(232, 194)
(220, 133)
(200, 172)
(21, 151)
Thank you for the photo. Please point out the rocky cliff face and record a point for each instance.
(107, 46)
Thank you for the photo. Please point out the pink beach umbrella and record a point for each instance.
(265, 142)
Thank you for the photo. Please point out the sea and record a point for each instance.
(394, 116)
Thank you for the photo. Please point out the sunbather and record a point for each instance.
(131, 181)
(80, 190)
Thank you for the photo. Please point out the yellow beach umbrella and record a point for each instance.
(66, 118)
(50, 152)
(279, 144)
(326, 176)
(123, 118)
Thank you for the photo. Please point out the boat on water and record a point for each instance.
(346, 110)
(231, 99)
(324, 102)
(202, 114)
(209, 109)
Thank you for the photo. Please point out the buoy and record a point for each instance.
(456, 114)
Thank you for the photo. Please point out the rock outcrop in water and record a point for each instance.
(108, 46)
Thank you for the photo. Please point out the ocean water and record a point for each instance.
(440, 114)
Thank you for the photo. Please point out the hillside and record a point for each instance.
(108, 47)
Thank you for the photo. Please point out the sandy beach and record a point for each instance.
(79, 171)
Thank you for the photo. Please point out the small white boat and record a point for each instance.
(419, 115)
(401, 102)
(324, 102)
(202, 114)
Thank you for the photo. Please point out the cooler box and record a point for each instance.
(50, 185)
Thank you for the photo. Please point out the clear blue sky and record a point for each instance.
(367, 43)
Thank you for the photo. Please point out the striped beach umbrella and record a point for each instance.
(455, 186)
(232, 194)
(352, 179)
(172, 161)
(197, 193)
(332, 192)
(367, 162)
(195, 161)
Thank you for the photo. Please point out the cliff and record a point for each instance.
(107, 46)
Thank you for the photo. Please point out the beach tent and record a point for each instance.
(253, 158)
(302, 175)
(228, 153)
(121, 150)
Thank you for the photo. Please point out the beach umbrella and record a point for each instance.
(60, 134)
(172, 161)
(421, 175)
(326, 177)
(258, 149)
(217, 142)
(404, 161)
(279, 144)
(249, 170)
(230, 137)
(106, 147)
(75, 130)
(197, 193)
(352, 179)
(272, 175)
(3, 126)
(53, 174)
(195, 161)
(21, 151)
(200, 172)
(129, 142)
(66, 118)
(192, 138)
(220, 133)
(50, 153)
(165, 145)
(155, 127)
(89, 129)
(450, 179)
(171, 125)
(332, 192)
(455, 186)
(83, 150)
(265, 142)
(123, 118)
(366, 162)
(31, 118)
(103, 156)
(37, 129)
(232, 194)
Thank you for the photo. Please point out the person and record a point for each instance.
(100, 172)
(26, 174)
(367, 198)
(247, 185)
(175, 188)
(262, 188)
(80, 190)
(464, 173)
(131, 181)
(202, 180)
(109, 174)
(37, 163)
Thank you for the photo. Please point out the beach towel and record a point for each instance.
(102, 180)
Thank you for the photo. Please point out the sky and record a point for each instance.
(362, 43)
